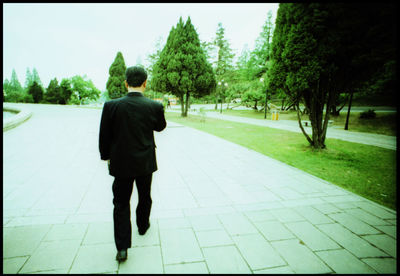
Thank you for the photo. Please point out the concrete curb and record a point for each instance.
(16, 120)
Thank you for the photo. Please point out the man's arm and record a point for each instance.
(161, 123)
(105, 133)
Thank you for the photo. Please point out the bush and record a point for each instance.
(370, 114)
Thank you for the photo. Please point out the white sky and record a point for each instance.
(64, 40)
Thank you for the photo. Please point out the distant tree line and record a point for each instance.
(75, 90)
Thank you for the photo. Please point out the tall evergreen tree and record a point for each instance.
(36, 91)
(65, 91)
(52, 94)
(115, 84)
(28, 78)
(183, 69)
(35, 77)
(15, 92)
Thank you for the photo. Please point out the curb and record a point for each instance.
(16, 120)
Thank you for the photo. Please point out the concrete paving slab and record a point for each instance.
(66, 232)
(299, 257)
(237, 224)
(101, 232)
(142, 260)
(179, 246)
(204, 223)
(343, 262)
(257, 252)
(311, 236)
(189, 268)
(350, 241)
(274, 230)
(225, 259)
(382, 265)
(13, 265)
(275, 270)
(367, 217)
(389, 230)
(353, 224)
(383, 242)
(213, 238)
(313, 215)
(52, 255)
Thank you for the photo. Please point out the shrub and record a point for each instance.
(370, 114)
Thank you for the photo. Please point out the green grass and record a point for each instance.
(365, 170)
(384, 123)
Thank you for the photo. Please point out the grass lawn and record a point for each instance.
(365, 170)
(384, 123)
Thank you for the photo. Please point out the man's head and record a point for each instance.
(135, 77)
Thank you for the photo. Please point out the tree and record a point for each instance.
(115, 84)
(65, 91)
(182, 68)
(28, 78)
(13, 89)
(35, 77)
(36, 90)
(83, 90)
(52, 94)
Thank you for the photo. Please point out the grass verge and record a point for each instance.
(384, 123)
(366, 170)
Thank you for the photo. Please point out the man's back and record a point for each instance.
(126, 134)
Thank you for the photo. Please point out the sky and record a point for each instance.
(64, 40)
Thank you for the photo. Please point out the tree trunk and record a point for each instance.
(301, 126)
(182, 106)
(186, 104)
(346, 127)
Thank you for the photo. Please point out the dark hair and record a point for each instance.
(135, 76)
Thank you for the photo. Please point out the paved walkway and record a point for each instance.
(217, 208)
(379, 140)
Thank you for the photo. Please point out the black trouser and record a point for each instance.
(122, 190)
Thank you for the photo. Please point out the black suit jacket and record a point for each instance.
(126, 134)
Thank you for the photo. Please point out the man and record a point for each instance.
(126, 141)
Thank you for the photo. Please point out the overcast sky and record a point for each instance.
(63, 40)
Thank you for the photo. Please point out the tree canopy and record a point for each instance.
(115, 84)
(182, 68)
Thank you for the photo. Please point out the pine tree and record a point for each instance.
(28, 78)
(36, 91)
(65, 91)
(115, 84)
(182, 68)
(35, 77)
(15, 91)
(52, 94)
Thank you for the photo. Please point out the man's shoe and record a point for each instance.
(122, 255)
(143, 231)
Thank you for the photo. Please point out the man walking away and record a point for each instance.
(126, 141)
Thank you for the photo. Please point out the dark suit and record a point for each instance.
(127, 139)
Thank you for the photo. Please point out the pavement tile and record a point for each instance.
(213, 238)
(353, 243)
(388, 229)
(353, 224)
(376, 211)
(52, 255)
(100, 232)
(213, 201)
(35, 220)
(188, 268)
(225, 259)
(173, 223)
(237, 224)
(299, 257)
(366, 217)
(22, 240)
(345, 205)
(382, 265)
(326, 208)
(204, 223)
(142, 260)
(275, 270)
(89, 218)
(201, 211)
(311, 236)
(392, 221)
(383, 242)
(257, 251)
(340, 198)
(150, 238)
(158, 214)
(66, 232)
(313, 215)
(286, 193)
(274, 230)
(259, 206)
(264, 195)
(179, 245)
(342, 262)
(302, 202)
(13, 265)
(256, 216)
(286, 215)
(95, 258)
